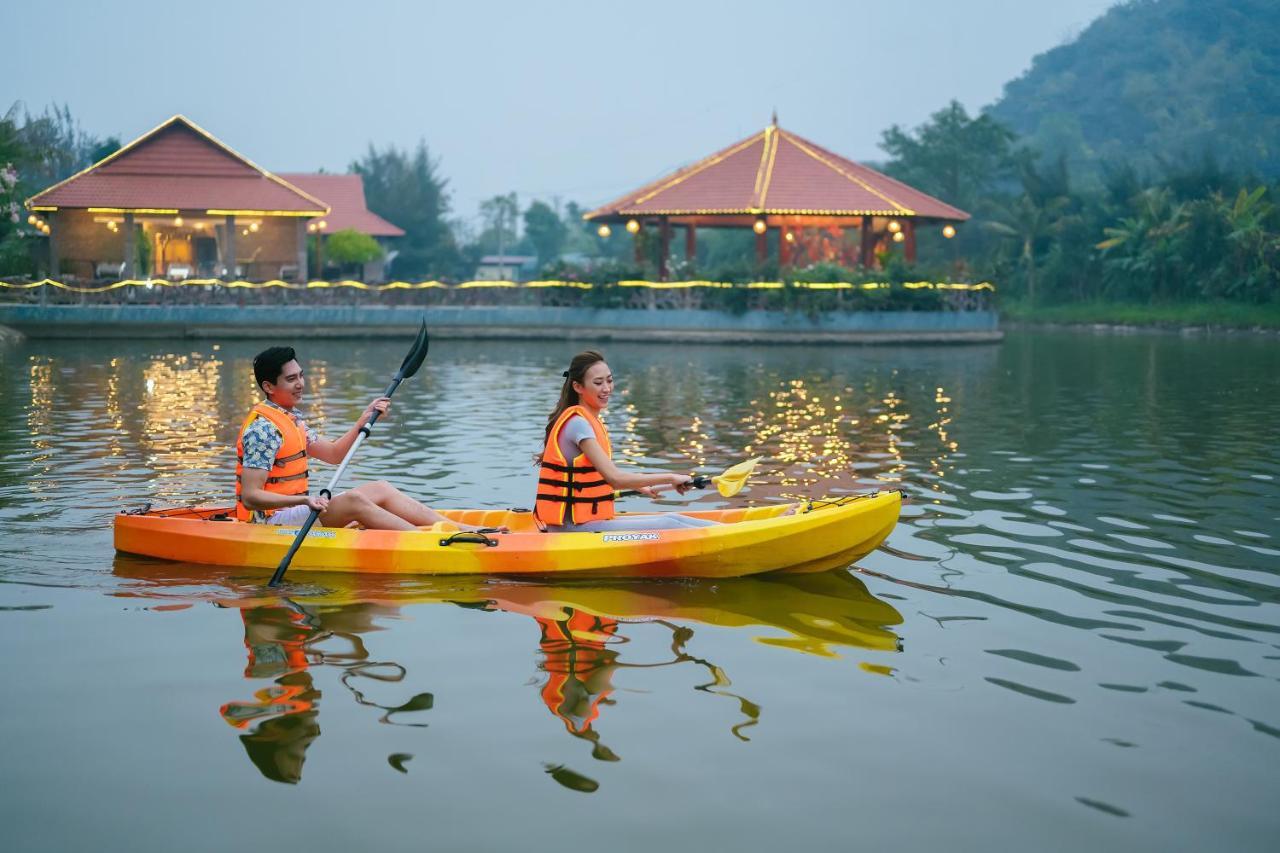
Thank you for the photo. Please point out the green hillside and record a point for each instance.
(1155, 82)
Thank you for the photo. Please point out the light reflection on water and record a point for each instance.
(1077, 610)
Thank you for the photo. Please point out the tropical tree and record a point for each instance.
(500, 215)
(406, 188)
(953, 156)
(545, 229)
(1030, 220)
(1142, 251)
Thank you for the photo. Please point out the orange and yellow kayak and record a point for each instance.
(812, 536)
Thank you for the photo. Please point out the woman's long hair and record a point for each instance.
(577, 372)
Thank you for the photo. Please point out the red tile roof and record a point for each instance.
(178, 166)
(345, 195)
(777, 172)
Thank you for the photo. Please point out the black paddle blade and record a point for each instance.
(417, 355)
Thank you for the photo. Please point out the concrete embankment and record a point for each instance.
(292, 322)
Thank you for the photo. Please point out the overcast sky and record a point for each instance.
(580, 100)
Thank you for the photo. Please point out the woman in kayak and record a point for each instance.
(576, 475)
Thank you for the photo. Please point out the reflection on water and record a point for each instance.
(1086, 567)
(582, 632)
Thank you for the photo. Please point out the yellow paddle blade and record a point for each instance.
(733, 479)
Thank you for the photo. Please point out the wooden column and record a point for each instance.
(228, 247)
(691, 245)
(52, 218)
(784, 248)
(665, 248)
(302, 249)
(502, 270)
(868, 243)
(909, 249)
(762, 247)
(637, 242)
(130, 247)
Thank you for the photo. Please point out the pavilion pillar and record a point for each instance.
(762, 247)
(909, 250)
(691, 245)
(301, 230)
(229, 246)
(53, 246)
(784, 248)
(665, 232)
(868, 243)
(130, 247)
(637, 243)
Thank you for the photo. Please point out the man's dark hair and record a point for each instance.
(268, 364)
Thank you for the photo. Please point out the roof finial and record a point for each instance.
(775, 117)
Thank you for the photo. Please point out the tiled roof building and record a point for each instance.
(778, 182)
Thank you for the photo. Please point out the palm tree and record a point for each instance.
(1036, 215)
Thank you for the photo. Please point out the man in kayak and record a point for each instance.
(273, 450)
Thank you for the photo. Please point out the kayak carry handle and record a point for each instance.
(469, 536)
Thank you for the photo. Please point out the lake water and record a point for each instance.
(1071, 640)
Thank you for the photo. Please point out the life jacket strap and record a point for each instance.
(568, 469)
(572, 484)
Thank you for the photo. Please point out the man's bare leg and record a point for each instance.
(354, 506)
(396, 502)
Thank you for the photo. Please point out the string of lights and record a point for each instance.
(150, 283)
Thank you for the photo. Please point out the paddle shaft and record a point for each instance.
(327, 491)
(699, 482)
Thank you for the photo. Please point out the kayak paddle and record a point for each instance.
(408, 367)
(728, 484)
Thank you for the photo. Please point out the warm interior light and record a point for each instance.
(948, 231)
(633, 226)
(311, 226)
(177, 220)
(791, 237)
(31, 220)
(895, 226)
(604, 231)
(199, 226)
(321, 225)
(253, 226)
(244, 233)
(898, 236)
(759, 226)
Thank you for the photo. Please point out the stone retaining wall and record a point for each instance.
(227, 321)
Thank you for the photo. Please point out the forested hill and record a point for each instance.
(1156, 82)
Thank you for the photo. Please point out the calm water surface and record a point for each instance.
(1071, 641)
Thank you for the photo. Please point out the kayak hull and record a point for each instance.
(805, 537)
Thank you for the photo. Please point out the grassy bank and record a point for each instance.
(1225, 315)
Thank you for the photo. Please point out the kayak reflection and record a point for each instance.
(581, 629)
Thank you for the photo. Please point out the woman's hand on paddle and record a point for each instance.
(681, 482)
(382, 404)
(317, 503)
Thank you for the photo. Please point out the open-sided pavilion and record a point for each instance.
(792, 193)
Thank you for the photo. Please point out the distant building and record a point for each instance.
(345, 195)
(507, 268)
(196, 209)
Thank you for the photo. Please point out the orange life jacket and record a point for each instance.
(579, 667)
(572, 491)
(288, 475)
